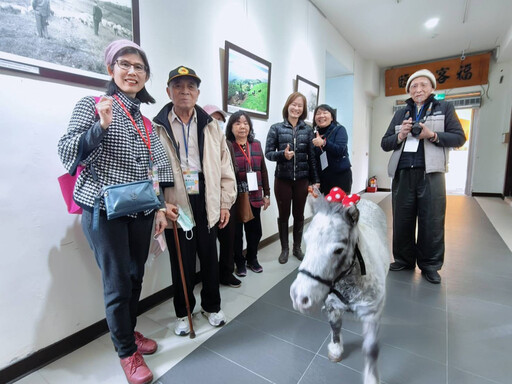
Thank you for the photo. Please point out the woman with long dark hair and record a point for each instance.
(252, 178)
(109, 137)
(290, 145)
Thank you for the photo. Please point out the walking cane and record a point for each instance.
(180, 262)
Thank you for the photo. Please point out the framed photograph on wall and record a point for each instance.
(64, 40)
(311, 91)
(246, 82)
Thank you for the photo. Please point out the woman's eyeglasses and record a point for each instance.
(126, 65)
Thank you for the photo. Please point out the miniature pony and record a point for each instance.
(345, 268)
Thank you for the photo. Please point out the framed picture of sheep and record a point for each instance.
(64, 39)
(246, 82)
(311, 91)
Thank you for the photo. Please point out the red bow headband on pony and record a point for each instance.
(337, 195)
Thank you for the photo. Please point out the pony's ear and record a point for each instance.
(352, 214)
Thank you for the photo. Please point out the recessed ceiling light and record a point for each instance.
(431, 23)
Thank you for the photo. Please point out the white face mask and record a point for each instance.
(221, 124)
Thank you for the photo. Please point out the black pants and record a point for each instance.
(121, 248)
(253, 235)
(419, 196)
(290, 192)
(329, 180)
(226, 238)
(204, 243)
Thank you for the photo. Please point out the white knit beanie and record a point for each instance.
(421, 73)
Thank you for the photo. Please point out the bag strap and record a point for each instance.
(97, 199)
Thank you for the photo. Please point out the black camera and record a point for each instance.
(416, 128)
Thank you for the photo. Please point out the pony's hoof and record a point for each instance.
(334, 359)
(334, 352)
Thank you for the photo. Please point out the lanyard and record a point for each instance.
(146, 141)
(248, 155)
(429, 111)
(418, 114)
(186, 139)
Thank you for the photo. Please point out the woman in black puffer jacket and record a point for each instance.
(290, 144)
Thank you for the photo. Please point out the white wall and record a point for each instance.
(339, 94)
(51, 286)
(493, 119)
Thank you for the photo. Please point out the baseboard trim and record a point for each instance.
(486, 194)
(61, 348)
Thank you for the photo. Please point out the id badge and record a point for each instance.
(153, 175)
(411, 144)
(191, 181)
(252, 181)
(323, 160)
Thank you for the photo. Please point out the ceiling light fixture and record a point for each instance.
(431, 23)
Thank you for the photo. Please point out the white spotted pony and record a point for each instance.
(344, 268)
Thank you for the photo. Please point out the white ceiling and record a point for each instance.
(392, 32)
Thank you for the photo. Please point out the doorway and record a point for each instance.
(457, 175)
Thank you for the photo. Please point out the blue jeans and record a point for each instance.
(121, 249)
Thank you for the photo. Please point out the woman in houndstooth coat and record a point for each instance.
(114, 143)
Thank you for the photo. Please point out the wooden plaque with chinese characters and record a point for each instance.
(452, 73)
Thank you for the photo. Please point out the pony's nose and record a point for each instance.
(301, 302)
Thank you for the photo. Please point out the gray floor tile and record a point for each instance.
(456, 376)
(411, 286)
(397, 366)
(323, 371)
(421, 341)
(481, 344)
(286, 324)
(263, 354)
(224, 371)
(414, 313)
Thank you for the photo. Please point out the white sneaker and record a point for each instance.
(181, 328)
(216, 319)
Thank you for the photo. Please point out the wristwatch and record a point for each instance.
(434, 139)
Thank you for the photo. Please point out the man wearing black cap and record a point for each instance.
(205, 190)
(420, 135)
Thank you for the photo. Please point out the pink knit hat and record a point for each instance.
(116, 46)
(210, 109)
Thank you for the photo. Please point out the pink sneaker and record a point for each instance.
(136, 370)
(144, 345)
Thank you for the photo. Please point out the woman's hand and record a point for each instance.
(287, 153)
(160, 222)
(104, 108)
(266, 202)
(171, 212)
(318, 141)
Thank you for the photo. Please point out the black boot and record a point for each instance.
(298, 227)
(283, 237)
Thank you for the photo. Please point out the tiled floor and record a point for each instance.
(459, 332)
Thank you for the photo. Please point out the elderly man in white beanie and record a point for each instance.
(420, 136)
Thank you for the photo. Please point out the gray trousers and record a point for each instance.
(419, 198)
